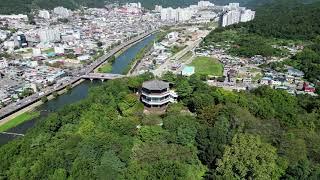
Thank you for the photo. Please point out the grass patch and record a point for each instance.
(105, 68)
(18, 120)
(48, 50)
(207, 66)
(176, 49)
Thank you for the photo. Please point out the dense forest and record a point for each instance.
(287, 19)
(210, 133)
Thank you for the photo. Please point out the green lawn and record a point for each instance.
(106, 68)
(18, 120)
(207, 66)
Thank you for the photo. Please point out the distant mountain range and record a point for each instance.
(25, 6)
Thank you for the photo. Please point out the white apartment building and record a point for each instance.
(236, 16)
(49, 35)
(44, 14)
(158, 8)
(167, 14)
(230, 17)
(178, 15)
(134, 5)
(62, 12)
(204, 4)
(247, 15)
(234, 6)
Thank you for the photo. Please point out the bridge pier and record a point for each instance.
(102, 80)
(91, 79)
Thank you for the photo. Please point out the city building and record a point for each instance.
(236, 15)
(62, 12)
(49, 35)
(36, 52)
(230, 17)
(176, 15)
(234, 6)
(156, 94)
(204, 4)
(157, 8)
(173, 36)
(44, 14)
(59, 50)
(15, 16)
(21, 40)
(247, 15)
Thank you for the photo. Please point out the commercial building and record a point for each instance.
(156, 94)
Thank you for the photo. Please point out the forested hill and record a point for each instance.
(210, 134)
(287, 19)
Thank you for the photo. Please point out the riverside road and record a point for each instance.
(76, 76)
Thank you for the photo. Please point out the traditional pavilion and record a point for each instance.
(156, 94)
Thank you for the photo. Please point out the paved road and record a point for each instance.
(76, 76)
(175, 58)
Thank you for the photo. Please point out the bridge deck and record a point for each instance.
(102, 76)
(10, 133)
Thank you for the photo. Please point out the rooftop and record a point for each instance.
(155, 85)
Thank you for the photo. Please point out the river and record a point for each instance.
(79, 92)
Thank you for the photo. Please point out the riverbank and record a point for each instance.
(19, 119)
(33, 106)
(134, 64)
(107, 66)
(9, 122)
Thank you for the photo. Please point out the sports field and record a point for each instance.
(207, 66)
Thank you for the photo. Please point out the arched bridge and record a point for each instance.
(102, 76)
